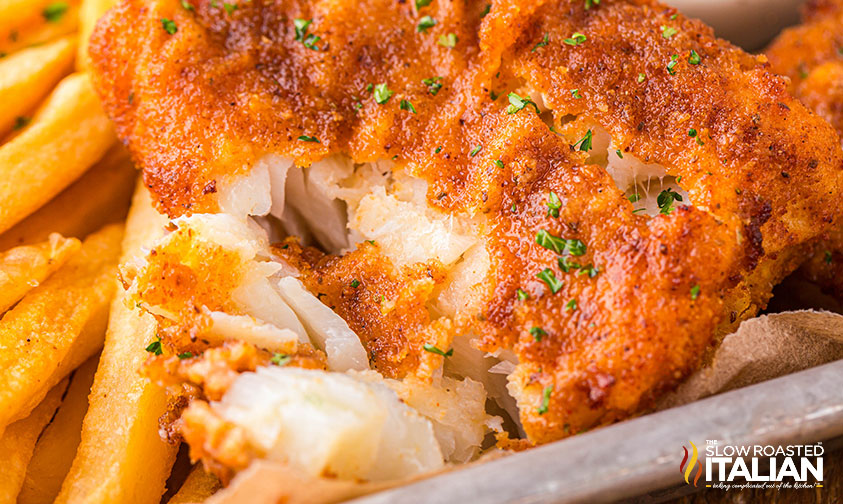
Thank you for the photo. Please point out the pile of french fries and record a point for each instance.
(78, 423)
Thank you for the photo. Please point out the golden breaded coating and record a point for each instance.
(605, 308)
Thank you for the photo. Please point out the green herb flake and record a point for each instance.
(185, 355)
(591, 3)
(619, 153)
(576, 39)
(668, 31)
(634, 197)
(355, 283)
(155, 347)
(553, 204)
(561, 246)
(169, 26)
(475, 150)
(406, 105)
(54, 11)
(547, 276)
(498, 163)
(21, 122)
(229, 8)
(827, 257)
(369, 87)
(576, 94)
(542, 43)
(545, 400)
(571, 305)
(537, 333)
(434, 349)
(382, 94)
(280, 359)
(433, 85)
(589, 270)
(641, 78)
(694, 58)
(671, 66)
(449, 40)
(308, 40)
(522, 294)
(422, 3)
(186, 5)
(517, 103)
(425, 23)
(438, 150)
(486, 11)
(305, 138)
(695, 292)
(665, 200)
(584, 142)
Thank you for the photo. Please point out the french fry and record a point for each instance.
(89, 12)
(121, 457)
(57, 445)
(27, 76)
(24, 23)
(100, 197)
(68, 135)
(198, 486)
(18, 441)
(22, 268)
(57, 326)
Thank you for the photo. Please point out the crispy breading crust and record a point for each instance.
(764, 178)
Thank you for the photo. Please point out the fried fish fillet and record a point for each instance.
(811, 55)
(603, 190)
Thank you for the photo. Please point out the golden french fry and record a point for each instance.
(198, 486)
(100, 197)
(27, 76)
(24, 23)
(68, 135)
(18, 441)
(57, 326)
(121, 457)
(89, 12)
(23, 268)
(57, 445)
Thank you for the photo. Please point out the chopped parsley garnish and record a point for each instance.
(671, 66)
(589, 270)
(438, 150)
(566, 265)
(21, 122)
(382, 94)
(522, 294)
(591, 3)
(576, 94)
(665, 200)
(305, 138)
(827, 257)
(517, 103)
(434, 349)
(641, 77)
(54, 11)
(186, 6)
(639, 210)
(493, 96)
(542, 43)
(679, 179)
(576, 39)
(584, 142)
(475, 150)
(498, 163)
(545, 400)
(449, 40)
(155, 347)
(537, 333)
(694, 58)
(185, 355)
(422, 3)
(668, 31)
(571, 305)
(229, 8)
(634, 197)
(425, 23)
(308, 40)
(619, 153)
(693, 134)
(561, 246)
(433, 85)
(355, 283)
(280, 359)
(553, 204)
(406, 105)
(486, 11)
(695, 292)
(169, 26)
(550, 279)
(369, 87)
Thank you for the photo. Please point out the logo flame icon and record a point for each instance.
(687, 470)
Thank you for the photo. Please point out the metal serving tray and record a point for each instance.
(642, 455)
